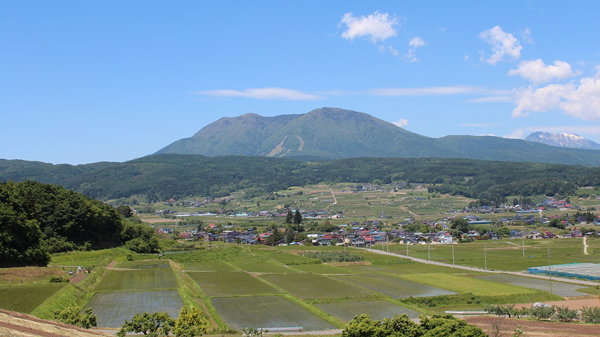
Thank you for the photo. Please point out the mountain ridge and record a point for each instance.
(334, 133)
(562, 140)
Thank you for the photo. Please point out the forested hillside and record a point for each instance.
(163, 177)
(37, 219)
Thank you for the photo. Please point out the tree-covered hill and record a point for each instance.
(162, 177)
(37, 219)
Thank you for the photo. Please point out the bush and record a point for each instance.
(58, 279)
(590, 314)
(73, 315)
(190, 323)
(154, 325)
(564, 314)
(542, 312)
(333, 256)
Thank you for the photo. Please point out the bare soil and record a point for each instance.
(571, 304)
(19, 324)
(532, 328)
(29, 274)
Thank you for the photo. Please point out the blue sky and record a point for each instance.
(90, 81)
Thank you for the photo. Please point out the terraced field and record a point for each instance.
(114, 308)
(144, 279)
(27, 297)
(307, 286)
(345, 311)
(231, 283)
(268, 312)
(393, 286)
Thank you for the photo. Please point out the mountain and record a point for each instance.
(562, 140)
(333, 133)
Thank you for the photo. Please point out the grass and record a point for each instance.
(208, 266)
(25, 298)
(113, 309)
(268, 312)
(265, 267)
(504, 254)
(289, 258)
(230, 284)
(345, 311)
(144, 264)
(558, 288)
(144, 279)
(394, 287)
(322, 269)
(89, 258)
(462, 284)
(310, 286)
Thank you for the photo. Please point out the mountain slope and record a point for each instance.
(329, 133)
(332, 133)
(562, 140)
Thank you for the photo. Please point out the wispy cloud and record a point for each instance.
(375, 27)
(435, 91)
(415, 43)
(491, 99)
(263, 93)
(517, 134)
(504, 45)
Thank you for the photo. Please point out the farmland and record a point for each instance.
(312, 286)
(144, 279)
(26, 298)
(230, 283)
(268, 312)
(395, 287)
(345, 311)
(114, 308)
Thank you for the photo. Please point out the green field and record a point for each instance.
(393, 286)
(263, 267)
(144, 279)
(208, 266)
(113, 309)
(267, 312)
(345, 311)
(144, 264)
(322, 269)
(306, 285)
(558, 288)
(26, 298)
(504, 254)
(463, 285)
(230, 283)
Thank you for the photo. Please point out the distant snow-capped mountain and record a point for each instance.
(562, 140)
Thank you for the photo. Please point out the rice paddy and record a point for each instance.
(558, 288)
(268, 312)
(310, 286)
(26, 298)
(345, 311)
(144, 279)
(395, 287)
(462, 284)
(231, 283)
(114, 308)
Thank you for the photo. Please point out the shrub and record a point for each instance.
(590, 314)
(153, 325)
(542, 312)
(333, 256)
(564, 314)
(190, 323)
(58, 279)
(73, 315)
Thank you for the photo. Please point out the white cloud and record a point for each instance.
(375, 27)
(262, 93)
(503, 45)
(491, 99)
(579, 101)
(401, 123)
(435, 91)
(538, 72)
(415, 42)
(517, 134)
(393, 51)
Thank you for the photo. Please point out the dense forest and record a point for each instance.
(162, 177)
(38, 219)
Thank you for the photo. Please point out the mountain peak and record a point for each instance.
(562, 140)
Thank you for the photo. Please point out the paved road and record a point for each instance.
(561, 279)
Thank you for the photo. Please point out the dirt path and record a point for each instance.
(585, 246)
(587, 283)
(19, 324)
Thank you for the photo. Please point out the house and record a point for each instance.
(443, 237)
(492, 236)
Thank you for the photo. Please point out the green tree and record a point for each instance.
(297, 218)
(73, 315)
(363, 326)
(154, 325)
(460, 224)
(289, 218)
(140, 238)
(190, 323)
(125, 211)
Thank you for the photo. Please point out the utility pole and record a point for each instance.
(453, 255)
(523, 244)
(406, 248)
(485, 256)
(550, 270)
